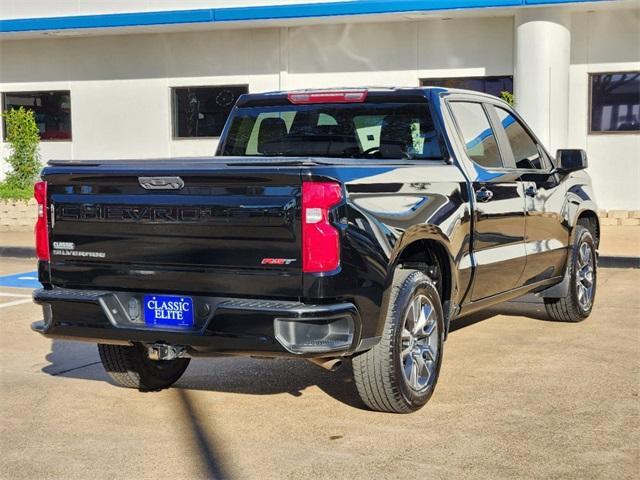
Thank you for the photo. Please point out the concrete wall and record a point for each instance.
(18, 215)
(120, 85)
(399, 53)
(605, 42)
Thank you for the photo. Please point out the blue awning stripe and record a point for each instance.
(270, 12)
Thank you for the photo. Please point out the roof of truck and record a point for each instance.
(380, 93)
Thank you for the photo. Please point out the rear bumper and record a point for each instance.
(222, 325)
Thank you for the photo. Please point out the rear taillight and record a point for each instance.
(41, 231)
(328, 96)
(320, 239)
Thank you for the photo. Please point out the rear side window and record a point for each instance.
(478, 136)
(525, 149)
(377, 130)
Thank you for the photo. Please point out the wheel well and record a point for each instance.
(589, 220)
(430, 257)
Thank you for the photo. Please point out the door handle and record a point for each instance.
(484, 195)
(531, 191)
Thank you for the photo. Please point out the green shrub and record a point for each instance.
(507, 97)
(24, 141)
(8, 192)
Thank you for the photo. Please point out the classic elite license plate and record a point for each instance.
(168, 311)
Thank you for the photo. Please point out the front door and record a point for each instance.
(546, 235)
(498, 236)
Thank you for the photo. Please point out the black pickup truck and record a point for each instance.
(331, 225)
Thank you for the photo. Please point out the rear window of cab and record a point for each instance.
(349, 130)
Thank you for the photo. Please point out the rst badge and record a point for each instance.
(277, 261)
(168, 311)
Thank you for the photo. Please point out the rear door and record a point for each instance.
(498, 235)
(223, 229)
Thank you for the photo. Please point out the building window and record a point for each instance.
(203, 111)
(491, 85)
(52, 111)
(615, 102)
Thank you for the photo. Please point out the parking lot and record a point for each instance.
(519, 396)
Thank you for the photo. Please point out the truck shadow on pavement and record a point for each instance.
(252, 376)
(242, 375)
(247, 376)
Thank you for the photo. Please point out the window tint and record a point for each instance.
(615, 102)
(203, 111)
(52, 111)
(491, 85)
(478, 136)
(524, 148)
(394, 131)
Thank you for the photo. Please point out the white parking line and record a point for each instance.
(15, 302)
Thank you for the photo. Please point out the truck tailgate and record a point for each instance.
(228, 229)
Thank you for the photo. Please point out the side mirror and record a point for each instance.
(571, 160)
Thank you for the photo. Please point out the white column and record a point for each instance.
(541, 81)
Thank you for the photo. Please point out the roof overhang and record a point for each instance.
(268, 15)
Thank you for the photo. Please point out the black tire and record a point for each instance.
(572, 307)
(379, 373)
(130, 366)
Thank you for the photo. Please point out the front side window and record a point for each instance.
(52, 111)
(525, 150)
(376, 130)
(478, 136)
(203, 111)
(615, 102)
(491, 85)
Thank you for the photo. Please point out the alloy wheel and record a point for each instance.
(585, 276)
(419, 353)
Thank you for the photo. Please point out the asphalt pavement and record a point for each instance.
(519, 397)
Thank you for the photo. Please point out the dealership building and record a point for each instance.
(130, 79)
